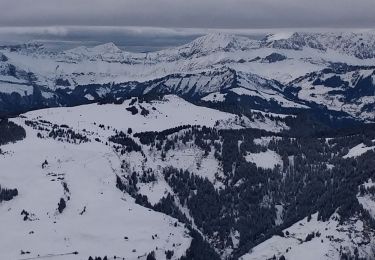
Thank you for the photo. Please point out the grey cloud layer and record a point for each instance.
(190, 13)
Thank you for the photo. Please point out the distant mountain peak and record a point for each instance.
(109, 47)
(217, 41)
(109, 50)
(277, 36)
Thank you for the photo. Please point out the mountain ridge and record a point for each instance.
(282, 58)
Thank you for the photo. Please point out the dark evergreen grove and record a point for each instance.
(7, 194)
(126, 142)
(10, 132)
(61, 205)
(314, 178)
(62, 133)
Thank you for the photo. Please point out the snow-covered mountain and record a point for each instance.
(209, 44)
(223, 148)
(341, 88)
(210, 64)
(360, 45)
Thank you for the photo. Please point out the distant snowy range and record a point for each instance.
(223, 148)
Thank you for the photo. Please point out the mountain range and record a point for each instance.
(334, 71)
(223, 148)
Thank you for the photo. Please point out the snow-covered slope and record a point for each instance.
(158, 115)
(267, 160)
(314, 239)
(74, 160)
(141, 175)
(98, 219)
(358, 150)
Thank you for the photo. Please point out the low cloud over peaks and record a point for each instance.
(192, 13)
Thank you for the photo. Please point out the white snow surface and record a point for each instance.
(358, 150)
(98, 219)
(170, 112)
(266, 160)
(9, 88)
(215, 97)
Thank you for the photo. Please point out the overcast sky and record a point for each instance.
(190, 13)
(146, 25)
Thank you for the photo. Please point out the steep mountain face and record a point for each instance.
(261, 93)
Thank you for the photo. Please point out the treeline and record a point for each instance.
(68, 135)
(147, 138)
(127, 143)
